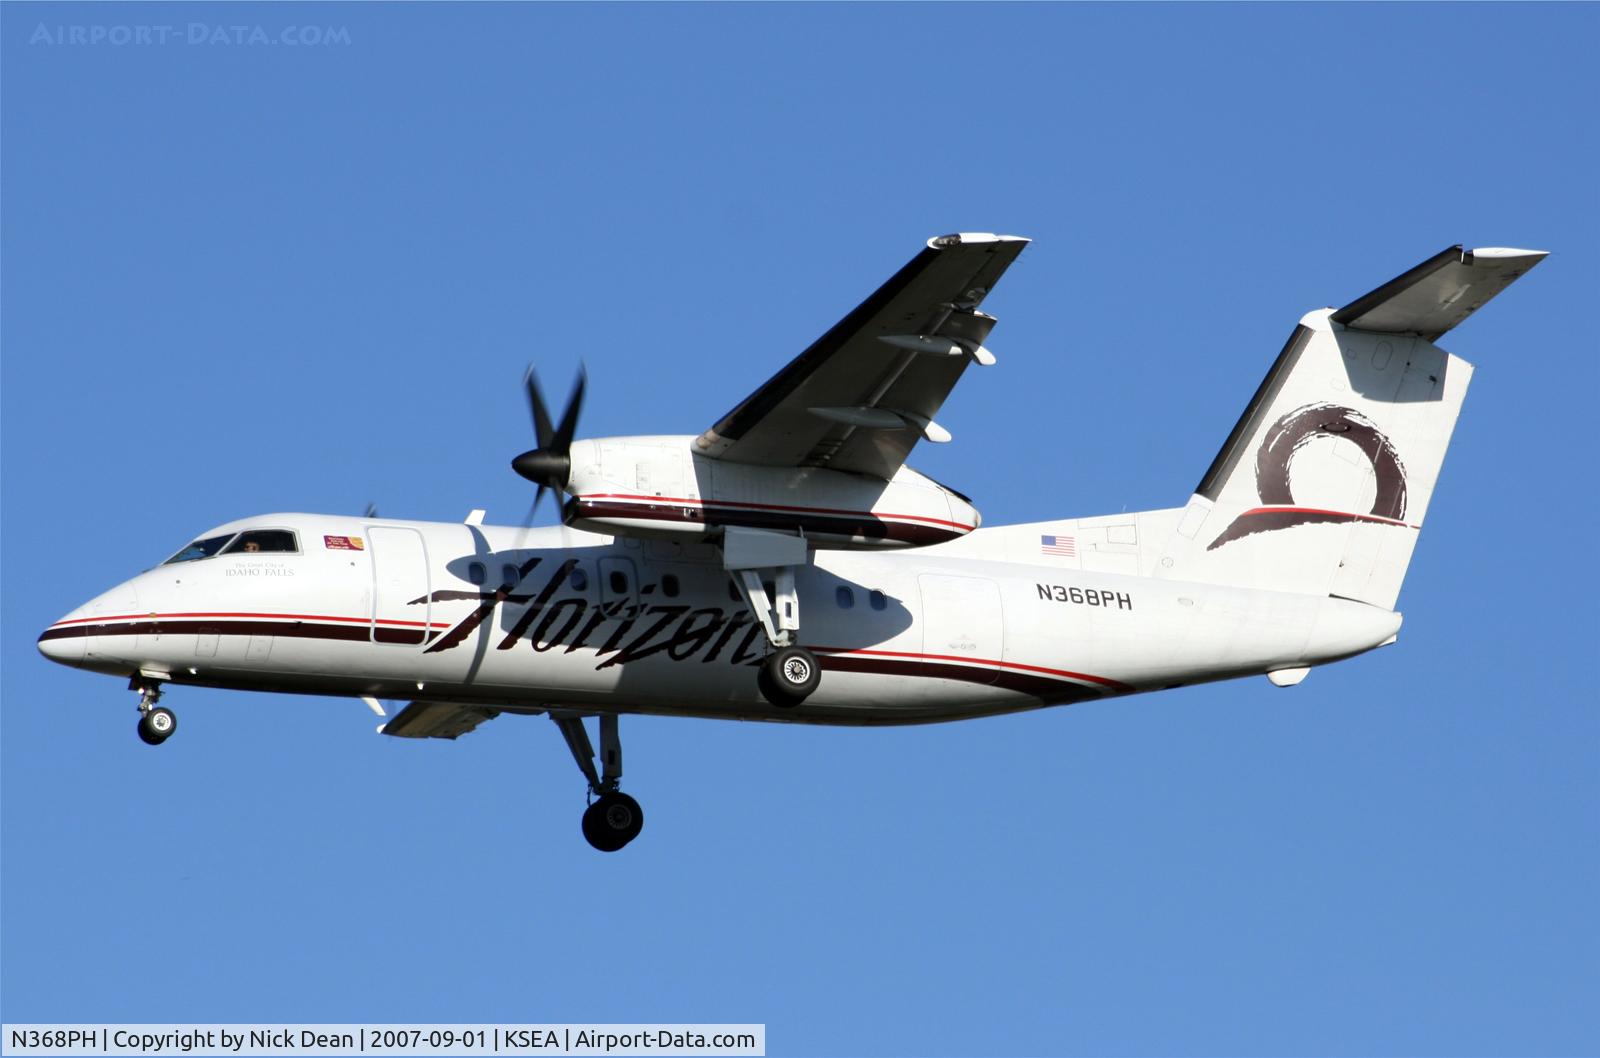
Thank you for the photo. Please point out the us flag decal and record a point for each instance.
(1059, 545)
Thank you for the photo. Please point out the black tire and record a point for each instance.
(612, 821)
(788, 676)
(158, 725)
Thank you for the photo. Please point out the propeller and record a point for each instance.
(550, 465)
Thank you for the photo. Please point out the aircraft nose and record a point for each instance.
(67, 641)
(64, 641)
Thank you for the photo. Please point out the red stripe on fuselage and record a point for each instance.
(1331, 514)
(257, 616)
(1109, 684)
(740, 505)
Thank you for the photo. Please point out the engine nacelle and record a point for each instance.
(658, 486)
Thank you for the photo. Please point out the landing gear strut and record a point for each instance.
(156, 722)
(790, 672)
(613, 818)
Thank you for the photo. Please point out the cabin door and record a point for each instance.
(401, 608)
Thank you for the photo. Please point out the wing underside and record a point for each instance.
(866, 392)
(438, 720)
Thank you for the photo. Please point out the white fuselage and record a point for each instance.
(559, 617)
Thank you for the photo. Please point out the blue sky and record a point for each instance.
(243, 277)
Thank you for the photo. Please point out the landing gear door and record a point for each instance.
(401, 608)
(962, 624)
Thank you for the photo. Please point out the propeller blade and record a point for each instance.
(527, 522)
(562, 442)
(550, 464)
(542, 430)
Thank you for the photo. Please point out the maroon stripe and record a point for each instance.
(1055, 692)
(849, 525)
(288, 629)
(740, 505)
(397, 635)
(1271, 519)
(1047, 690)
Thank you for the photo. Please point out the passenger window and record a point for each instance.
(845, 596)
(578, 579)
(619, 582)
(256, 540)
(476, 573)
(200, 549)
(509, 575)
(669, 586)
(878, 600)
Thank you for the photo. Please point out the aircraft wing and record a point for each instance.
(866, 392)
(438, 720)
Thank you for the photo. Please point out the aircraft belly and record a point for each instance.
(1102, 626)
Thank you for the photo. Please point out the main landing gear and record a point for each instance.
(613, 818)
(790, 672)
(788, 676)
(156, 722)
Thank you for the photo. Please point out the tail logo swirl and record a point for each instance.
(1289, 435)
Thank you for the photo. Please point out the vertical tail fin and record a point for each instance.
(1324, 483)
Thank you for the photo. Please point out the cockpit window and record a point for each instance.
(203, 548)
(255, 540)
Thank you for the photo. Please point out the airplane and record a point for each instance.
(787, 565)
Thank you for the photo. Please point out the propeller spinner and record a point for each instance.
(550, 465)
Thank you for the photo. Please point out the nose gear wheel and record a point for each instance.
(157, 723)
(613, 819)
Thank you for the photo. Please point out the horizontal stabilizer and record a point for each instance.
(1439, 293)
(438, 720)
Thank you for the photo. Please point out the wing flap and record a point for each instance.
(438, 720)
(855, 365)
(1439, 293)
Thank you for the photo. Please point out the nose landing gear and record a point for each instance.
(157, 723)
(613, 818)
(612, 821)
